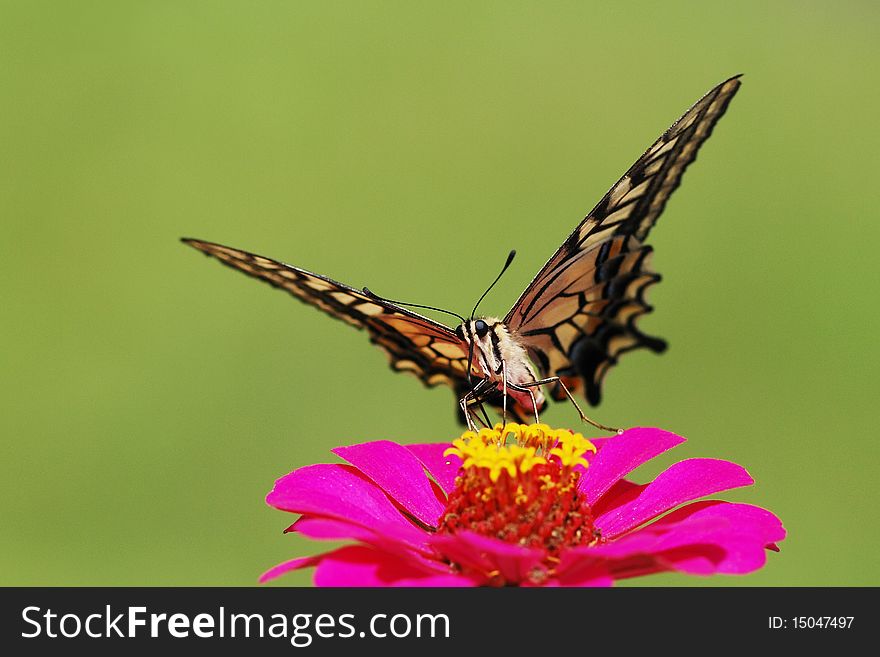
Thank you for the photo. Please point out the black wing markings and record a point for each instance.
(413, 342)
(608, 302)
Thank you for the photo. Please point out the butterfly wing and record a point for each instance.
(415, 344)
(579, 313)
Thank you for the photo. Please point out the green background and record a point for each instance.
(151, 397)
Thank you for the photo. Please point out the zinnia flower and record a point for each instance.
(550, 508)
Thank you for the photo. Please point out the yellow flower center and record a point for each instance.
(488, 448)
(518, 483)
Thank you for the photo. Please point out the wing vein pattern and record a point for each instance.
(577, 316)
(579, 313)
(414, 343)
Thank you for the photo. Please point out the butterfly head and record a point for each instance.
(483, 335)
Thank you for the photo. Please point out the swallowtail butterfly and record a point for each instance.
(569, 326)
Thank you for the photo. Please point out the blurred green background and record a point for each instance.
(150, 397)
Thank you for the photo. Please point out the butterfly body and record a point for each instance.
(569, 326)
(500, 357)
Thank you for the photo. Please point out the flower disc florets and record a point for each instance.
(518, 483)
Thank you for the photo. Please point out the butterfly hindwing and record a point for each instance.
(586, 319)
(578, 315)
(414, 343)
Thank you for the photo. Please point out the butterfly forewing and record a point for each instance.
(586, 319)
(414, 343)
(578, 315)
(633, 204)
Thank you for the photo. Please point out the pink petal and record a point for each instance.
(747, 520)
(363, 566)
(704, 552)
(708, 559)
(738, 548)
(637, 543)
(699, 523)
(287, 566)
(621, 455)
(680, 483)
(399, 473)
(585, 574)
(620, 493)
(598, 443)
(701, 539)
(486, 555)
(444, 469)
(340, 491)
(327, 529)
(333, 530)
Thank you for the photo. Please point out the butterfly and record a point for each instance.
(570, 325)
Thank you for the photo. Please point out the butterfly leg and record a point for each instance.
(527, 388)
(584, 418)
(466, 411)
(504, 395)
(473, 396)
(484, 419)
(486, 424)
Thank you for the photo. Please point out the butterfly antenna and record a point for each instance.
(373, 295)
(510, 257)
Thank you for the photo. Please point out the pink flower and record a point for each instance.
(552, 509)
